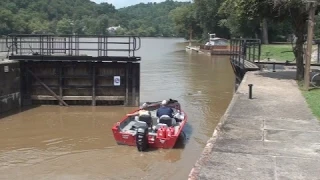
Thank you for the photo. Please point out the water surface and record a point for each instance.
(52, 142)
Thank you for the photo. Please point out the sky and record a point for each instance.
(124, 3)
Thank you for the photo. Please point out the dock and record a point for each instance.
(269, 136)
(217, 52)
(197, 50)
(245, 64)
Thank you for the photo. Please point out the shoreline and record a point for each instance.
(208, 148)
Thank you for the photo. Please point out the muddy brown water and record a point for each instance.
(52, 142)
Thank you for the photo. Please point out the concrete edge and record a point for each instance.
(195, 171)
(7, 61)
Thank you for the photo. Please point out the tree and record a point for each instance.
(294, 11)
(65, 26)
(207, 12)
(6, 20)
(185, 20)
(102, 24)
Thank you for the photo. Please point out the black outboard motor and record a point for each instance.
(142, 138)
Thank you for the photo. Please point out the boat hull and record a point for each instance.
(158, 143)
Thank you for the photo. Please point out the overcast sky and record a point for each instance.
(124, 3)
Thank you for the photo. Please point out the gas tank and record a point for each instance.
(161, 133)
(170, 132)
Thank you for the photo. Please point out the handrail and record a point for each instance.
(71, 45)
(245, 49)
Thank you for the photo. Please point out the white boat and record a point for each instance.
(215, 41)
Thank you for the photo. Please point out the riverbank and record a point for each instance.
(272, 136)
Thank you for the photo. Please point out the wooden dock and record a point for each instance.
(223, 52)
(244, 64)
(213, 51)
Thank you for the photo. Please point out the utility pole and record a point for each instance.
(312, 9)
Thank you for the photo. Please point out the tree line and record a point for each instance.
(86, 17)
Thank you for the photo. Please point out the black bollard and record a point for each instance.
(250, 90)
(274, 67)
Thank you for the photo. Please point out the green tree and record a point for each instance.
(65, 26)
(293, 11)
(185, 19)
(102, 24)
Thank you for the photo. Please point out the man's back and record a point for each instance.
(165, 111)
(144, 112)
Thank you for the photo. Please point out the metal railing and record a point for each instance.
(72, 45)
(245, 49)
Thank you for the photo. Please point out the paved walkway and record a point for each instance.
(273, 136)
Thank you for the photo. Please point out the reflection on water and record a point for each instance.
(51, 142)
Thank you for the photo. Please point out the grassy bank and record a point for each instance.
(279, 52)
(313, 99)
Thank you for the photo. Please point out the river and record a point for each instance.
(52, 142)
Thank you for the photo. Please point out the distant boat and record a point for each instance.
(215, 41)
(214, 46)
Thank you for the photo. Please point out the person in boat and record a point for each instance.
(142, 114)
(142, 111)
(165, 111)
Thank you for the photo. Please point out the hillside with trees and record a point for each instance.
(85, 17)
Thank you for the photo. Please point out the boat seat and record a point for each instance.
(165, 119)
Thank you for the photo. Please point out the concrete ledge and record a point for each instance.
(272, 136)
(208, 148)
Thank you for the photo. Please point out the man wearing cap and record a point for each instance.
(164, 110)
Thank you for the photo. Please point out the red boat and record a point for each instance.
(156, 132)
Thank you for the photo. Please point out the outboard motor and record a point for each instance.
(142, 138)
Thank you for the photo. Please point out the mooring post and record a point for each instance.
(134, 85)
(93, 71)
(60, 81)
(127, 85)
(274, 67)
(250, 90)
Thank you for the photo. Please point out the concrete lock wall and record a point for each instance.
(10, 98)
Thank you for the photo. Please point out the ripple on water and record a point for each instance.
(52, 142)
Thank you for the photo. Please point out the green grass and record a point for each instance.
(313, 99)
(275, 51)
